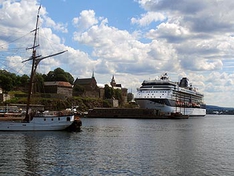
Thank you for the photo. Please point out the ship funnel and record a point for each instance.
(184, 82)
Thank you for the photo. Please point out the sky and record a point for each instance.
(134, 40)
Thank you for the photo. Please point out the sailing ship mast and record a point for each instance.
(35, 61)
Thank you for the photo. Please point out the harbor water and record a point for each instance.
(190, 147)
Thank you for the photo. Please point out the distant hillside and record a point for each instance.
(211, 109)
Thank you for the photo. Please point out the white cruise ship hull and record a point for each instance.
(163, 108)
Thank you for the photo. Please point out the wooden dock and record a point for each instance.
(132, 113)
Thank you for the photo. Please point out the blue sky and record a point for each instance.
(117, 13)
(131, 39)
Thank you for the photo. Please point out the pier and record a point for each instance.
(132, 113)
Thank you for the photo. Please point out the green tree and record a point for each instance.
(59, 75)
(38, 83)
(108, 92)
(130, 97)
(118, 95)
(78, 88)
(24, 80)
(70, 78)
(50, 76)
(6, 82)
(9, 81)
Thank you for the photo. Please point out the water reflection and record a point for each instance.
(202, 146)
(31, 153)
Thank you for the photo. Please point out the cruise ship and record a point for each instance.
(169, 97)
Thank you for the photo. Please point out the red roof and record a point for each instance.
(58, 83)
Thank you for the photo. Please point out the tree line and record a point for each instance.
(10, 81)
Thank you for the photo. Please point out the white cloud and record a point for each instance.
(57, 26)
(174, 47)
(197, 15)
(13, 62)
(100, 35)
(85, 20)
(193, 38)
(218, 88)
(171, 32)
(17, 19)
(148, 18)
(120, 51)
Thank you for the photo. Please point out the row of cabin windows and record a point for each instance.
(68, 119)
(151, 97)
(52, 119)
(156, 91)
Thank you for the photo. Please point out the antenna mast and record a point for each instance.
(35, 61)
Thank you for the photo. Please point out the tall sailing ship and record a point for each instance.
(169, 97)
(38, 121)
